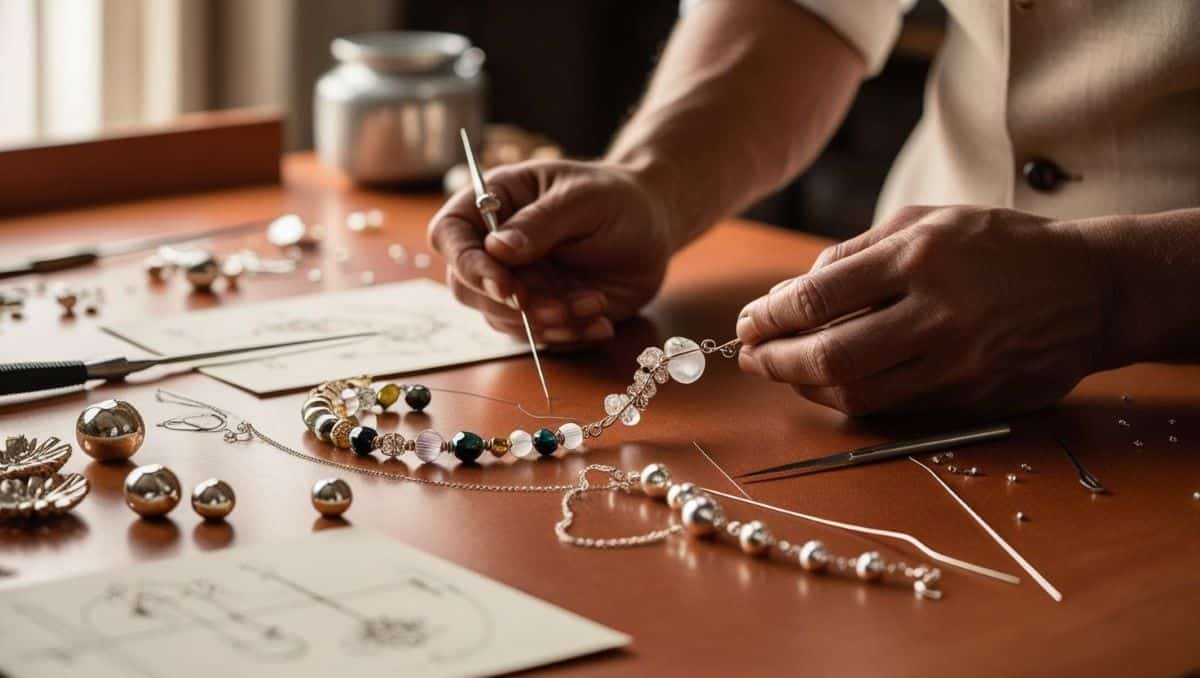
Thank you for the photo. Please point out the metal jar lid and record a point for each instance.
(408, 51)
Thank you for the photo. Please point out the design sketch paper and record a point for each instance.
(420, 327)
(345, 602)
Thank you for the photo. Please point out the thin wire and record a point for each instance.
(1042, 581)
(517, 404)
(918, 544)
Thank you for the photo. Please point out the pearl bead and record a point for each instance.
(331, 497)
(213, 499)
(813, 556)
(700, 516)
(655, 480)
(572, 435)
(522, 445)
(151, 491)
(679, 493)
(429, 445)
(869, 566)
(754, 538)
(684, 369)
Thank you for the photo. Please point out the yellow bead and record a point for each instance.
(388, 395)
(341, 432)
(501, 446)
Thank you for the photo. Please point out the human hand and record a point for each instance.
(973, 309)
(581, 244)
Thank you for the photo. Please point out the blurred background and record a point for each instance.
(570, 71)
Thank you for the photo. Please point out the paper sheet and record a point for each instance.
(344, 602)
(421, 327)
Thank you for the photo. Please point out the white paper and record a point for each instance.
(420, 324)
(344, 602)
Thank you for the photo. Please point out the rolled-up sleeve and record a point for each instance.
(870, 26)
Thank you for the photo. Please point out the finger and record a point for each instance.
(902, 219)
(869, 278)
(888, 390)
(597, 330)
(556, 218)
(457, 231)
(845, 353)
(543, 310)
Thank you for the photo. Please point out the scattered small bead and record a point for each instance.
(374, 219)
(973, 471)
(1125, 398)
(1138, 443)
(356, 221)
(315, 275)
(1123, 423)
(1027, 468)
(1196, 495)
(936, 459)
(396, 252)
(1171, 422)
(1172, 439)
(421, 260)
(367, 277)
(948, 455)
(1012, 477)
(1021, 517)
(952, 468)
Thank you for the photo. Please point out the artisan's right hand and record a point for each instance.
(582, 245)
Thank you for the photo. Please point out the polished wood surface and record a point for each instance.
(1128, 562)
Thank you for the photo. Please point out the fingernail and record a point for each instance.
(744, 328)
(558, 335)
(514, 240)
(493, 290)
(599, 330)
(549, 315)
(587, 306)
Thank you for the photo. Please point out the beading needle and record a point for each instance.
(907, 538)
(1037, 576)
(488, 204)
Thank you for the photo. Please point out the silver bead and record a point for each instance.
(156, 268)
(151, 491)
(754, 538)
(869, 566)
(67, 298)
(111, 430)
(1012, 477)
(922, 589)
(331, 497)
(1026, 468)
(1021, 517)
(202, 273)
(679, 493)
(700, 516)
(213, 499)
(655, 480)
(813, 556)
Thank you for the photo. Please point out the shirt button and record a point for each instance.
(1043, 175)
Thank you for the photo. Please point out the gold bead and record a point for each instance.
(501, 446)
(388, 395)
(341, 432)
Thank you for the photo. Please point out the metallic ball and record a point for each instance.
(679, 493)
(1012, 477)
(701, 515)
(213, 499)
(67, 299)
(152, 490)
(655, 480)
(869, 566)
(813, 556)
(331, 497)
(111, 430)
(754, 538)
(202, 273)
(157, 268)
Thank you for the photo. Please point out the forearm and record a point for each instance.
(746, 95)
(1150, 269)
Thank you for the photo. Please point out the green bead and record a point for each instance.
(467, 446)
(417, 397)
(545, 442)
(388, 395)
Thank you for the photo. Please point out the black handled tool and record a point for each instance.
(41, 376)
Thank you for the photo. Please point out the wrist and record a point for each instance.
(658, 179)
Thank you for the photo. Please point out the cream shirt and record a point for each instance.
(1106, 92)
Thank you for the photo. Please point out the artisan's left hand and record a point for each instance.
(980, 310)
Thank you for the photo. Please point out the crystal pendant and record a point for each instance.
(572, 435)
(687, 362)
(429, 446)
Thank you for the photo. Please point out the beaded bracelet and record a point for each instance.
(332, 415)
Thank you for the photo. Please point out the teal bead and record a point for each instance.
(545, 442)
(467, 446)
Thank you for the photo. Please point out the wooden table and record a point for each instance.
(1128, 562)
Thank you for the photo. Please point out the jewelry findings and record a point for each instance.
(111, 430)
(30, 484)
(213, 499)
(151, 491)
(332, 409)
(331, 497)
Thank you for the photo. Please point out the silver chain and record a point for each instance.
(618, 480)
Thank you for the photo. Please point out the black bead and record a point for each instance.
(417, 397)
(467, 446)
(361, 438)
(545, 442)
(324, 425)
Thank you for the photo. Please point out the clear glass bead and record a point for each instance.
(613, 402)
(643, 385)
(429, 445)
(522, 445)
(651, 358)
(631, 416)
(687, 362)
(572, 435)
(366, 398)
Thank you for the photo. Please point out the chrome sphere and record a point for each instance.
(813, 556)
(151, 490)
(869, 566)
(655, 480)
(679, 493)
(331, 497)
(700, 516)
(213, 499)
(111, 430)
(754, 538)
(202, 273)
